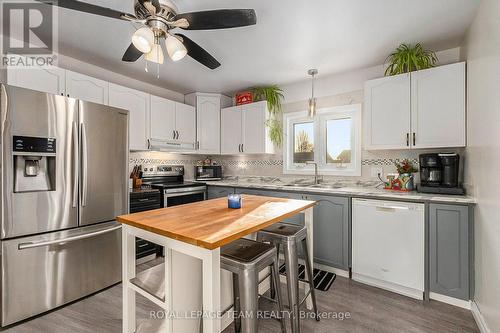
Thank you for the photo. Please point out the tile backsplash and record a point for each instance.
(272, 165)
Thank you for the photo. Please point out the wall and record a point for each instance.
(333, 90)
(481, 49)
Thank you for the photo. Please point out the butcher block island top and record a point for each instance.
(211, 224)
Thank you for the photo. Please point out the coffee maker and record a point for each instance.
(439, 173)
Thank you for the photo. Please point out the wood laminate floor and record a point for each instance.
(370, 309)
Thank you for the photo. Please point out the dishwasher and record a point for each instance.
(388, 245)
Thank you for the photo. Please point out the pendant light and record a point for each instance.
(312, 100)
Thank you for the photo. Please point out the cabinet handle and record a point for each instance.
(173, 134)
(149, 144)
(242, 149)
(239, 147)
(407, 139)
(197, 145)
(414, 138)
(177, 135)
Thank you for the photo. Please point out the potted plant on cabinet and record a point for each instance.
(274, 96)
(407, 58)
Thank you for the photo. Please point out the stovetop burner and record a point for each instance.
(166, 177)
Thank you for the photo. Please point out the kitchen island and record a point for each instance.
(197, 230)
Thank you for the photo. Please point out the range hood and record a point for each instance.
(171, 146)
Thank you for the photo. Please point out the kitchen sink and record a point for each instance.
(325, 186)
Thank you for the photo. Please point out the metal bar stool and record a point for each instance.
(245, 259)
(289, 236)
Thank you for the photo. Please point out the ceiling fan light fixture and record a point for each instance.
(175, 49)
(156, 54)
(143, 39)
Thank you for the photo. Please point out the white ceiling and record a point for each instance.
(290, 37)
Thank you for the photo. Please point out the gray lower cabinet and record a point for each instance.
(214, 192)
(450, 244)
(332, 231)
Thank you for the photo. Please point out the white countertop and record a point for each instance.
(352, 189)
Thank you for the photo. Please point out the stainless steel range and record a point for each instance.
(64, 180)
(170, 180)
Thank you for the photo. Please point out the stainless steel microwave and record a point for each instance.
(208, 172)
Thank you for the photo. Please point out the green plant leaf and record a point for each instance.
(407, 58)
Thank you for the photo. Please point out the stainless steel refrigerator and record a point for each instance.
(64, 165)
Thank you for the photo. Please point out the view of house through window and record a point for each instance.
(303, 142)
(338, 141)
(332, 139)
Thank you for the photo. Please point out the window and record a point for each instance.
(332, 140)
(303, 136)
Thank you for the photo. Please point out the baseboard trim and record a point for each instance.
(338, 271)
(478, 317)
(396, 288)
(450, 300)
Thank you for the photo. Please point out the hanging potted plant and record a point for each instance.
(274, 96)
(407, 58)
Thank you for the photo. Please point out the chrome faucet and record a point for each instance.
(316, 178)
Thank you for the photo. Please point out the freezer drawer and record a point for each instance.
(42, 272)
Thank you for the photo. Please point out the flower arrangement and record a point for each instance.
(405, 166)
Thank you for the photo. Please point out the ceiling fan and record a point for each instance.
(159, 18)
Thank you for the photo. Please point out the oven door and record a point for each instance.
(180, 196)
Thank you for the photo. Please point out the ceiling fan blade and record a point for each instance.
(132, 54)
(219, 19)
(89, 8)
(198, 53)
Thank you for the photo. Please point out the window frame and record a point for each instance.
(352, 111)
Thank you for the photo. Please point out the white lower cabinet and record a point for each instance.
(244, 129)
(137, 103)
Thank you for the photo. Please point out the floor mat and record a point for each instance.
(322, 280)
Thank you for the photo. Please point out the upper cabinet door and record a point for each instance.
(387, 113)
(208, 124)
(254, 128)
(162, 120)
(137, 103)
(185, 122)
(86, 88)
(231, 130)
(438, 107)
(50, 81)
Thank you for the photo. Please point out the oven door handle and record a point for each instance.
(180, 194)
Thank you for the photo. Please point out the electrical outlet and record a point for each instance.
(375, 171)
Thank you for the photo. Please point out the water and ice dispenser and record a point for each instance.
(34, 164)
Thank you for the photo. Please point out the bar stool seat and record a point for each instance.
(245, 259)
(289, 236)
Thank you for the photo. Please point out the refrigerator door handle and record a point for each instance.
(84, 185)
(75, 165)
(30, 245)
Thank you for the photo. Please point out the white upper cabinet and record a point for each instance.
(244, 129)
(424, 109)
(137, 103)
(231, 130)
(162, 120)
(185, 122)
(438, 107)
(208, 124)
(208, 120)
(387, 113)
(86, 88)
(172, 122)
(50, 81)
